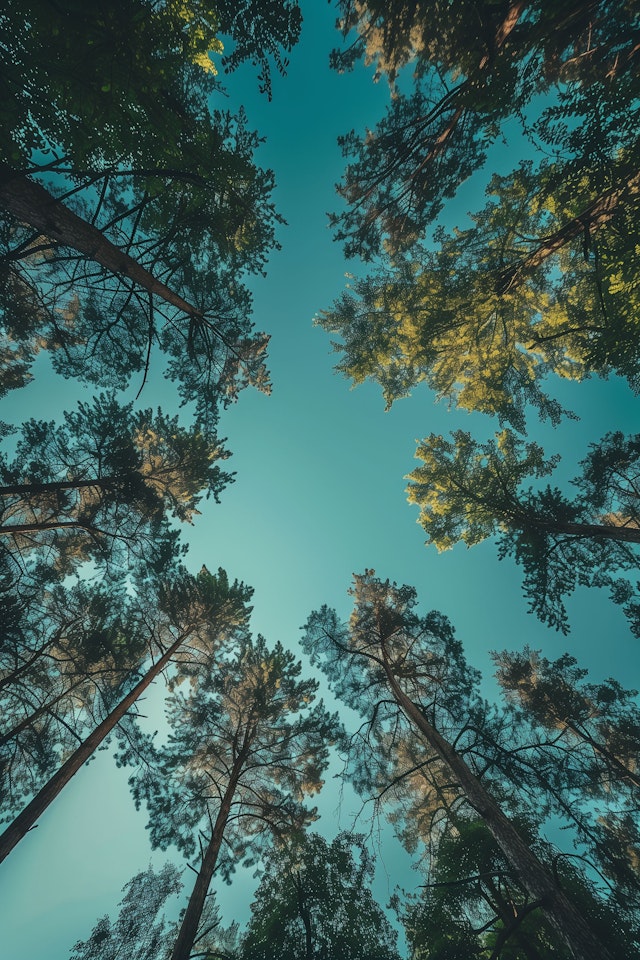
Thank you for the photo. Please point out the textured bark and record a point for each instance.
(540, 885)
(30, 203)
(189, 926)
(27, 819)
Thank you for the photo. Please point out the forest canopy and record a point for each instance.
(138, 218)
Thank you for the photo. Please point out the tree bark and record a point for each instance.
(189, 926)
(559, 910)
(30, 203)
(27, 819)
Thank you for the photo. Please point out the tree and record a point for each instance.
(483, 314)
(244, 750)
(123, 190)
(138, 931)
(183, 621)
(474, 69)
(63, 658)
(585, 746)
(474, 906)
(469, 491)
(545, 278)
(407, 676)
(314, 901)
(105, 482)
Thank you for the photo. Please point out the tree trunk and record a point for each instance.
(601, 531)
(13, 528)
(53, 486)
(30, 203)
(303, 913)
(189, 926)
(534, 877)
(27, 819)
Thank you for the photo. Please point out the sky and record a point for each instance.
(319, 495)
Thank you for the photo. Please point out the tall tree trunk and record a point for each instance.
(53, 486)
(600, 531)
(30, 203)
(540, 885)
(26, 820)
(189, 926)
(13, 528)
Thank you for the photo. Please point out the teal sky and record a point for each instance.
(319, 495)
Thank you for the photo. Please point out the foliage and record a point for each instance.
(63, 658)
(474, 905)
(138, 931)
(468, 491)
(75, 663)
(585, 747)
(314, 901)
(108, 110)
(475, 69)
(104, 484)
(248, 705)
(544, 280)
(430, 713)
(244, 750)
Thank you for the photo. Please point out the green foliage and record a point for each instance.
(475, 68)
(474, 905)
(314, 901)
(469, 491)
(385, 759)
(109, 110)
(138, 930)
(545, 279)
(586, 737)
(439, 755)
(66, 656)
(105, 481)
(248, 708)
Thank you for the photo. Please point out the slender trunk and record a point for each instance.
(592, 217)
(53, 486)
(303, 913)
(30, 203)
(532, 874)
(599, 531)
(27, 819)
(12, 528)
(189, 926)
